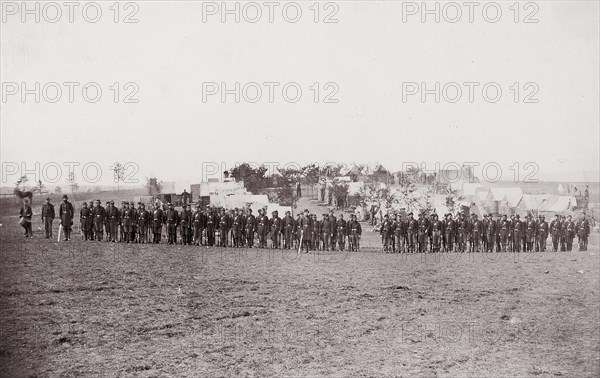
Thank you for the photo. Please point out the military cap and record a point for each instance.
(288, 212)
(410, 213)
(48, 199)
(306, 210)
(250, 210)
(112, 202)
(84, 203)
(169, 204)
(518, 216)
(65, 196)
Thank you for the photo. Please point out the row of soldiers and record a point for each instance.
(430, 234)
(217, 227)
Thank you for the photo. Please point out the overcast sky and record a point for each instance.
(368, 54)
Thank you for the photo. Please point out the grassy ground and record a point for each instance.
(101, 309)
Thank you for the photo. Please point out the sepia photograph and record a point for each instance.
(310, 188)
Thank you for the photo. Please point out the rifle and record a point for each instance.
(300, 243)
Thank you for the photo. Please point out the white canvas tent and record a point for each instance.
(559, 203)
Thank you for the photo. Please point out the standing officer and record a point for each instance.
(490, 234)
(542, 234)
(583, 232)
(326, 228)
(223, 228)
(99, 216)
(126, 222)
(530, 233)
(276, 228)
(112, 221)
(563, 233)
(91, 230)
(261, 228)
(66, 213)
(26, 214)
(158, 219)
(198, 222)
(463, 233)
(211, 223)
(517, 234)
(450, 233)
(477, 233)
(172, 220)
(288, 230)
(505, 232)
(306, 228)
(250, 226)
(555, 232)
(85, 215)
(316, 232)
(186, 228)
(412, 232)
(386, 233)
(396, 246)
(236, 228)
(436, 233)
(570, 233)
(423, 232)
(354, 233)
(341, 231)
(333, 222)
(48, 217)
(143, 218)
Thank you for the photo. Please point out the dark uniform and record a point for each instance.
(66, 213)
(570, 233)
(224, 225)
(436, 233)
(185, 225)
(542, 234)
(127, 218)
(412, 233)
(276, 228)
(172, 221)
(112, 221)
(341, 230)
(143, 219)
(262, 228)
(326, 228)
(386, 233)
(530, 234)
(583, 231)
(85, 221)
(288, 230)
(476, 233)
(504, 227)
(99, 216)
(333, 222)
(48, 217)
(236, 229)
(354, 233)
(555, 233)
(423, 232)
(198, 224)
(211, 223)
(490, 234)
(517, 229)
(306, 226)
(158, 219)
(449, 233)
(250, 226)
(26, 214)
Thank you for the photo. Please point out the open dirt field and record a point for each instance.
(101, 309)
